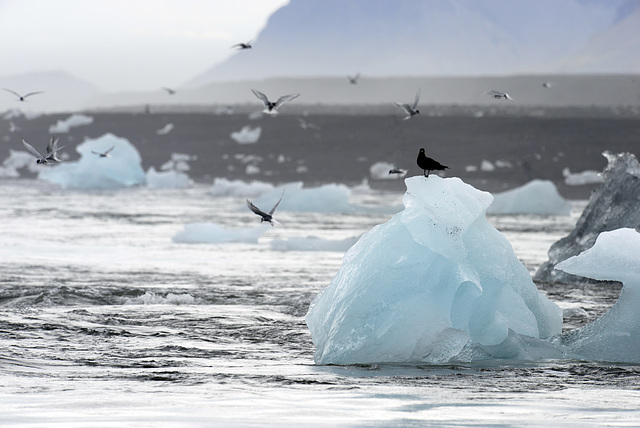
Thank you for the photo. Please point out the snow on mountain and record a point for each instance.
(433, 37)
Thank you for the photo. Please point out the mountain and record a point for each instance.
(433, 37)
(62, 91)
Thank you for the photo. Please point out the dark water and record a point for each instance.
(104, 321)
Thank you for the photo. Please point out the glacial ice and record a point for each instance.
(434, 284)
(581, 178)
(615, 336)
(73, 121)
(226, 187)
(122, 169)
(213, 233)
(17, 160)
(613, 205)
(328, 198)
(536, 197)
(313, 243)
(165, 129)
(247, 135)
(169, 179)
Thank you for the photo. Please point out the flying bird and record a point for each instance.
(498, 95)
(266, 216)
(242, 46)
(427, 164)
(270, 107)
(50, 157)
(22, 97)
(397, 171)
(169, 91)
(410, 110)
(546, 84)
(104, 154)
(354, 79)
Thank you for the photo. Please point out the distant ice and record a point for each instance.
(470, 168)
(536, 197)
(247, 135)
(487, 166)
(165, 129)
(615, 336)
(122, 169)
(436, 283)
(333, 198)
(252, 169)
(151, 298)
(582, 178)
(312, 243)
(225, 187)
(73, 121)
(213, 233)
(169, 179)
(16, 161)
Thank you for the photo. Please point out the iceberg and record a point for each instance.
(225, 187)
(436, 283)
(313, 243)
(73, 121)
(212, 233)
(169, 179)
(615, 336)
(122, 169)
(247, 135)
(613, 205)
(581, 178)
(16, 161)
(539, 197)
(329, 198)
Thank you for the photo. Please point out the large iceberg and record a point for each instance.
(434, 284)
(539, 197)
(121, 169)
(616, 335)
(613, 205)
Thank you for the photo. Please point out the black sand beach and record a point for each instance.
(342, 147)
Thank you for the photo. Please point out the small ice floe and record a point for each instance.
(582, 178)
(151, 298)
(538, 197)
(313, 243)
(73, 121)
(487, 166)
(247, 135)
(165, 129)
(239, 188)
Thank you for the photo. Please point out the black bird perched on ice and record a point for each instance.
(271, 107)
(410, 110)
(241, 46)
(264, 216)
(22, 97)
(428, 164)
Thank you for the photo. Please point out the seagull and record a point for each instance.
(498, 95)
(428, 164)
(104, 154)
(169, 91)
(264, 216)
(22, 97)
(397, 171)
(51, 157)
(354, 79)
(410, 110)
(242, 46)
(272, 108)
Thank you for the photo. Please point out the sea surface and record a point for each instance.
(106, 322)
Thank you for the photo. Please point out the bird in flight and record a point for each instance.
(427, 164)
(498, 95)
(397, 171)
(546, 84)
(266, 216)
(271, 107)
(410, 110)
(354, 79)
(104, 154)
(169, 91)
(50, 157)
(23, 97)
(242, 46)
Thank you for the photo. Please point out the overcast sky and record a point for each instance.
(124, 45)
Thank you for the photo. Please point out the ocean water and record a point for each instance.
(106, 322)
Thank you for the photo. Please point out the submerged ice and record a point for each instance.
(435, 283)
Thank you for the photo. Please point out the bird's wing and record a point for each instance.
(493, 93)
(109, 151)
(262, 97)
(95, 153)
(169, 90)
(13, 92)
(415, 101)
(32, 93)
(277, 203)
(405, 107)
(255, 209)
(285, 98)
(31, 150)
(237, 45)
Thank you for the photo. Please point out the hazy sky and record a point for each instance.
(123, 45)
